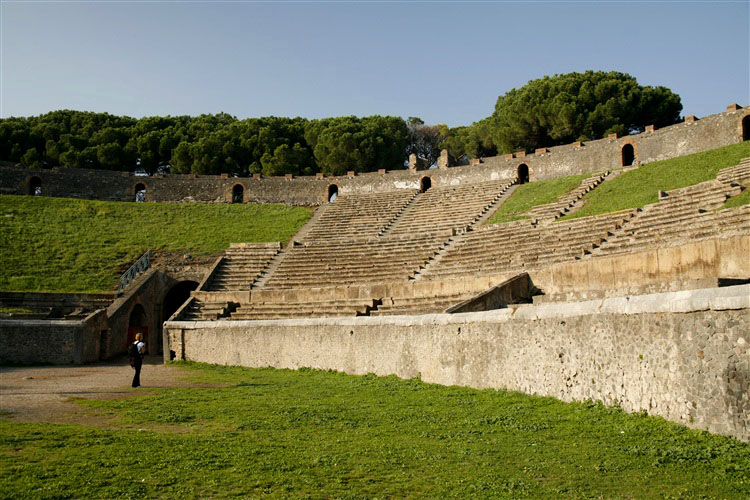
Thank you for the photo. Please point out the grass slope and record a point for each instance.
(325, 434)
(529, 195)
(67, 245)
(639, 187)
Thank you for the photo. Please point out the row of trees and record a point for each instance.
(545, 112)
(207, 144)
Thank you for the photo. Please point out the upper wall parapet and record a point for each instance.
(691, 136)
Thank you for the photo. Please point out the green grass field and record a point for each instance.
(529, 195)
(66, 245)
(639, 187)
(317, 434)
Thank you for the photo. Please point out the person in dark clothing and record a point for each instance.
(137, 361)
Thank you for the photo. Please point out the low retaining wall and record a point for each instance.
(55, 341)
(681, 355)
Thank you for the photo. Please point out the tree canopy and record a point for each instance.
(565, 108)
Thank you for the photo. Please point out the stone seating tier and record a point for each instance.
(205, 311)
(449, 207)
(662, 224)
(275, 310)
(241, 266)
(349, 261)
(359, 215)
(739, 174)
(526, 245)
(699, 225)
(419, 305)
(502, 241)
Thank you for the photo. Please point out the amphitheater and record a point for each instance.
(397, 273)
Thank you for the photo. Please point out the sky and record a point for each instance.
(445, 62)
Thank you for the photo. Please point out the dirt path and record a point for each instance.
(44, 393)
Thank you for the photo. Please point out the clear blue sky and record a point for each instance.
(444, 62)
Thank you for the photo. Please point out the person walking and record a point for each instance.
(136, 359)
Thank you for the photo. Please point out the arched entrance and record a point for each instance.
(35, 186)
(425, 183)
(238, 193)
(523, 173)
(745, 128)
(333, 192)
(137, 323)
(140, 192)
(173, 300)
(627, 155)
(176, 296)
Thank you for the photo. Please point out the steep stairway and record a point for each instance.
(496, 203)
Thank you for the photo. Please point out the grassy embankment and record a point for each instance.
(640, 187)
(318, 434)
(67, 245)
(532, 194)
(632, 189)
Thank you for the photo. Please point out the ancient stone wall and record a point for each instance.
(104, 333)
(683, 356)
(691, 136)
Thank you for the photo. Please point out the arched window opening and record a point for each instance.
(35, 186)
(138, 323)
(140, 192)
(746, 128)
(424, 184)
(238, 193)
(523, 173)
(627, 153)
(333, 193)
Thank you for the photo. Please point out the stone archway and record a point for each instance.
(34, 186)
(425, 183)
(627, 155)
(745, 128)
(333, 193)
(139, 192)
(522, 173)
(238, 193)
